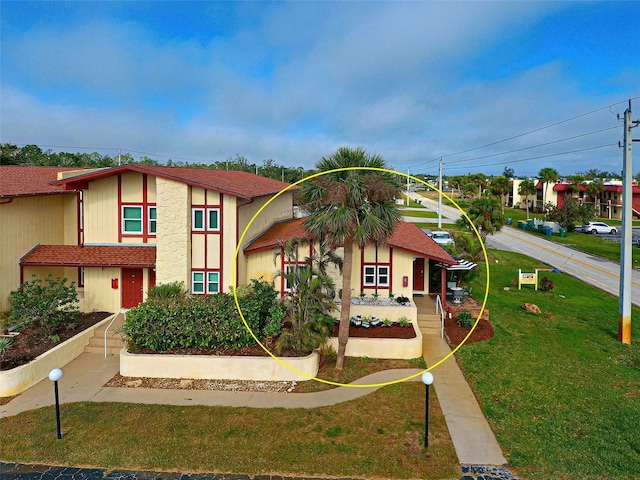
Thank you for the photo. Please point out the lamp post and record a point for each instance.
(54, 376)
(427, 379)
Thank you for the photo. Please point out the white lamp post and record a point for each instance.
(54, 376)
(427, 379)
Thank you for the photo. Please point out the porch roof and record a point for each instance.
(91, 256)
(20, 181)
(406, 237)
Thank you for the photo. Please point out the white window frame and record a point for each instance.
(369, 271)
(207, 220)
(124, 220)
(193, 219)
(199, 282)
(152, 221)
(379, 275)
(209, 282)
(287, 267)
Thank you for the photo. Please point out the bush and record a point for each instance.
(211, 322)
(546, 284)
(174, 291)
(48, 304)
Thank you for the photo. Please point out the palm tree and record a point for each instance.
(347, 208)
(594, 190)
(526, 189)
(500, 186)
(486, 214)
(547, 175)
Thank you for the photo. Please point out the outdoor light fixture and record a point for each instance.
(427, 379)
(54, 376)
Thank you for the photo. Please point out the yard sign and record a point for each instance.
(527, 278)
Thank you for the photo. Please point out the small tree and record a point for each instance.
(571, 212)
(49, 303)
(486, 214)
(526, 189)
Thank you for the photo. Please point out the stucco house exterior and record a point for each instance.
(118, 231)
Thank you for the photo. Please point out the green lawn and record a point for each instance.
(419, 213)
(560, 391)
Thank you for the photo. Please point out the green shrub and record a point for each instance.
(175, 291)
(48, 304)
(210, 321)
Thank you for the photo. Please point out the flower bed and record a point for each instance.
(391, 348)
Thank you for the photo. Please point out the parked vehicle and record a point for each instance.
(598, 227)
(442, 237)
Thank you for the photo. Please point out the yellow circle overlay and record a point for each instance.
(338, 384)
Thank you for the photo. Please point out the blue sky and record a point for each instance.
(293, 81)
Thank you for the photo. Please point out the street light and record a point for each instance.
(427, 379)
(54, 376)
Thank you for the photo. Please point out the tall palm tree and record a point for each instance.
(526, 189)
(350, 208)
(547, 175)
(486, 214)
(500, 186)
(594, 190)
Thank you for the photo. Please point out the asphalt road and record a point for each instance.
(597, 271)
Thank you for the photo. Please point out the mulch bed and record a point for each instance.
(31, 343)
(380, 331)
(455, 333)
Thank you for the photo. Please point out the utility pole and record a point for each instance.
(408, 186)
(624, 301)
(440, 197)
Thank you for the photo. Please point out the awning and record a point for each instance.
(91, 256)
(462, 265)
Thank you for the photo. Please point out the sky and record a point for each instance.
(482, 85)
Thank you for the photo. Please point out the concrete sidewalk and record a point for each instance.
(84, 378)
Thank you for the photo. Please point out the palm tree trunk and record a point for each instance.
(345, 312)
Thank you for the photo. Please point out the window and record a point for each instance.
(213, 282)
(152, 220)
(197, 282)
(210, 223)
(369, 276)
(197, 219)
(131, 219)
(376, 276)
(213, 215)
(289, 278)
(81, 277)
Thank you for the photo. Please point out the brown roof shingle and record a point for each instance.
(235, 183)
(91, 256)
(16, 181)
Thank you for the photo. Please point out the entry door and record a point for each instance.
(131, 287)
(418, 274)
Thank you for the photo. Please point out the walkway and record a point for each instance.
(475, 444)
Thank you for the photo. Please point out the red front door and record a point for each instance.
(418, 274)
(131, 287)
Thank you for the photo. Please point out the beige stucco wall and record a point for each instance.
(173, 239)
(46, 225)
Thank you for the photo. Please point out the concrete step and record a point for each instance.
(114, 340)
(100, 350)
(111, 342)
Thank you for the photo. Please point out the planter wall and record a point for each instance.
(17, 380)
(217, 367)
(392, 312)
(393, 348)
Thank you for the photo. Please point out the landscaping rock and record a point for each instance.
(531, 308)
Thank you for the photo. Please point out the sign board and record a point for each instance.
(527, 278)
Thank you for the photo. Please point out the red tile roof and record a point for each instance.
(91, 256)
(408, 237)
(405, 237)
(235, 183)
(18, 181)
(278, 233)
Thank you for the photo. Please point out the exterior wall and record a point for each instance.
(173, 250)
(98, 292)
(259, 265)
(101, 211)
(281, 208)
(24, 223)
(403, 266)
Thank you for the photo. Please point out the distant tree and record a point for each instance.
(570, 212)
(594, 190)
(547, 175)
(500, 186)
(508, 172)
(486, 214)
(576, 182)
(527, 188)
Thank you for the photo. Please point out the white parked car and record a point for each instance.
(598, 227)
(442, 237)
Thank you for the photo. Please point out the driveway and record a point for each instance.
(597, 271)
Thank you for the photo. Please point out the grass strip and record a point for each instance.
(560, 391)
(379, 435)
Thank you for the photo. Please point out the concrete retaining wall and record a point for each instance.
(218, 367)
(17, 380)
(393, 348)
